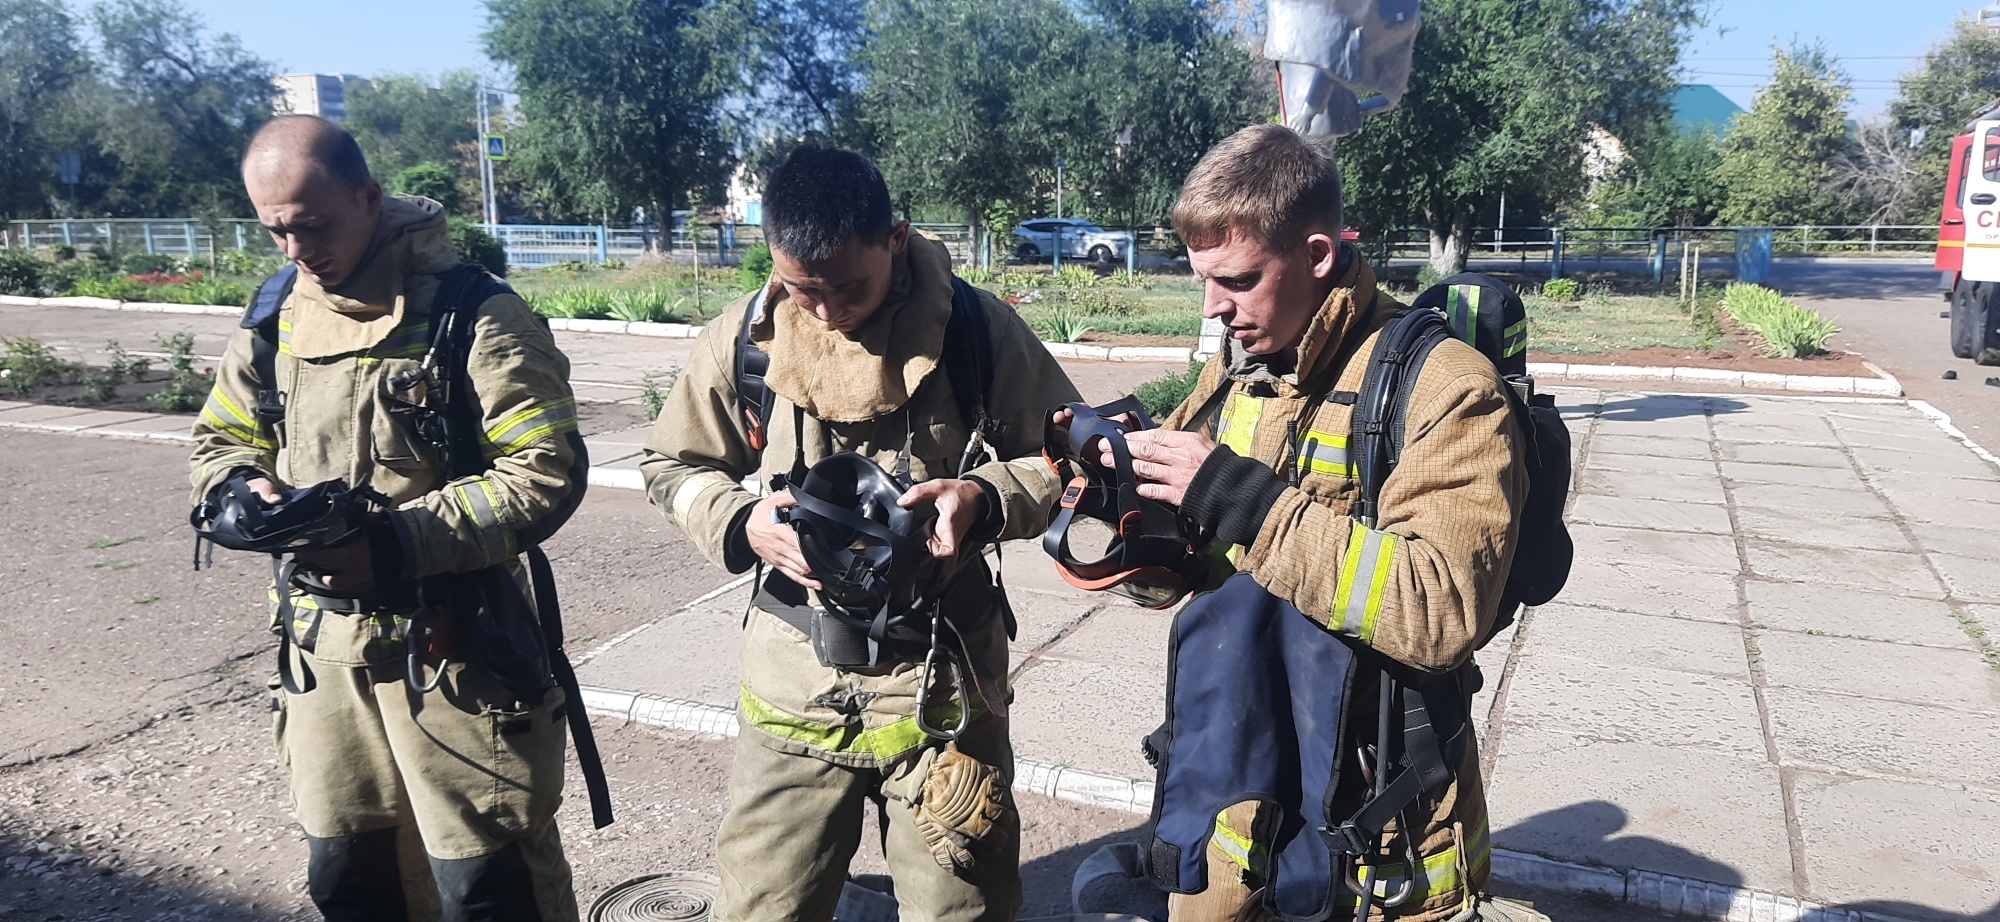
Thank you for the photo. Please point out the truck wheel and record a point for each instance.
(1964, 330)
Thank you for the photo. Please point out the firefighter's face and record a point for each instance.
(317, 221)
(846, 289)
(1266, 294)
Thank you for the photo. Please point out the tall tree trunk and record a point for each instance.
(1451, 242)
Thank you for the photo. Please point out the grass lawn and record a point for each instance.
(1599, 324)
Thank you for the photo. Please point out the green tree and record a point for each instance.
(1669, 180)
(1779, 156)
(402, 120)
(39, 63)
(796, 62)
(1959, 76)
(620, 103)
(174, 108)
(967, 101)
(1502, 95)
(430, 179)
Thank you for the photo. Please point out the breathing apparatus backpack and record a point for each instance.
(518, 638)
(1156, 555)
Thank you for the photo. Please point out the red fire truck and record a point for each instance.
(1968, 248)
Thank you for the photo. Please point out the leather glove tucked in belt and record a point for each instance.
(961, 802)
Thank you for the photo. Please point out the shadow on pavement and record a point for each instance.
(1666, 406)
(1853, 280)
(1047, 880)
(86, 888)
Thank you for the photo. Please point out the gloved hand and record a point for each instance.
(962, 802)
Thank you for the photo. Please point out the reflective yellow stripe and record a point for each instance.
(404, 341)
(1441, 872)
(1325, 453)
(476, 496)
(1514, 340)
(529, 425)
(1238, 427)
(1249, 854)
(284, 336)
(224, 414)
(1364, 580)
(1461, 305)
(884, 742)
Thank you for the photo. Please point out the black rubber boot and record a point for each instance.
(356, 878)
(489, 888)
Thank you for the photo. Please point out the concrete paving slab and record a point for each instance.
(1768, 453)
(690, 656)
(1838, 612)
(627, 463)
(1125, 636)
(1900, 486)
(1651, 464)
(1635, 586)
(1796, 428)
(1703, 815)
(1661, 515)
(1825, 500)
(1930, 850)
(1943, 509)
(1963, 540)
(1864, 569)
(1792, 475)
(1662, 446)
(1712, 553)
(1088, 715)
(156, 422)
(1896, 432)
(1616, 638)
(1634, 703)
(1970, 578)
(1844, 733)
(605, 451)
(605, 393)
(6, 405)
(1691, 426)
(1817, 529)
(1943, 460)
(1041, 616)
(40, 413)
(1899, 672)
(109, 418)
(1666, 487)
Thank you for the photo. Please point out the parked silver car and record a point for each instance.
(1037, 237)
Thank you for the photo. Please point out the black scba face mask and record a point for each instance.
(869, 554)
(311, 518)
(1156, 556)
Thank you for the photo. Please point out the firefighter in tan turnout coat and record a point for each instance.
(1268, 471)
(854, 324)
(414, 805)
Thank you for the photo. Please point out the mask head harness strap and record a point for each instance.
(1156, 555)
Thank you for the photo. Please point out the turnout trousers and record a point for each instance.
(436, 806)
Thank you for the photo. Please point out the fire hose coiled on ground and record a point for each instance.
(676, 896)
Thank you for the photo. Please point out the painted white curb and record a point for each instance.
(1884, 385)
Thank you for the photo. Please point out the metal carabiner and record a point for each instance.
(957, 681)
(413, 665)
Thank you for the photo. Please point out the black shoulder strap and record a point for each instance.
(262, 316)
(1376, 439)
(752, 394)
(968, 354)
(454, 315)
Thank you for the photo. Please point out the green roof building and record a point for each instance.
(1698, 106)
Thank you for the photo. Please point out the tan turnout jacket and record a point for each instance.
(861, 394)
(1423, 585)
(339, 351)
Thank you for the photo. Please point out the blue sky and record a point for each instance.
(1875, 40)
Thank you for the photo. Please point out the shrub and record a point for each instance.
(1788, 330)
(245, 262)
(645, 304)
(1076, 276)
(430, 179)
(1063, 324)
(117, 289)
(578, 303)
(22, 273)
(199, 290)
(1561, 289)
(475, 245)
(657, 385)
(144, 263)
(755, 268)
(187, 388)
(1161, 395)
(29, 364)
(1427, 276)
(125, 366)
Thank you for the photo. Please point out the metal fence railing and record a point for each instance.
(186, 237)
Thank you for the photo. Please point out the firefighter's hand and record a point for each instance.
(265, 490)
(958, 507)
(348, 569)
(776, 542)
(1165, 461)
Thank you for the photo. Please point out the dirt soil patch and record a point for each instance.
(130, 396)
(1745, 358)
(1135, 339)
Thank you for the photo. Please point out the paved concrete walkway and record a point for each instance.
(1766, 689)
